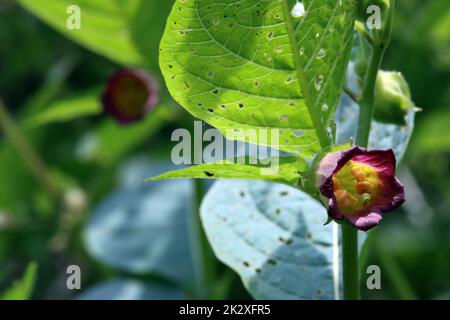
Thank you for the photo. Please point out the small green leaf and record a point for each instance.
(23, 288)
(66, 110)
(252, 65)
(283, 170)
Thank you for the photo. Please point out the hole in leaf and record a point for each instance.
(285, 241)
(272, 262)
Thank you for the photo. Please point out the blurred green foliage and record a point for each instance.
(23, 288)
(43, 74)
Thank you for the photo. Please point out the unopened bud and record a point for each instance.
(392, 98)
(129, 95)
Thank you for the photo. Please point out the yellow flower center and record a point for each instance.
(355, 186)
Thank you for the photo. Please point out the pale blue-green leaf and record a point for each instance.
(382, 136)
(136, 230)
(126, 289)
(273, 236)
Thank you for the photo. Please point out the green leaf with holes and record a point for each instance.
(253, 64)
(283, 170)
(125, 31)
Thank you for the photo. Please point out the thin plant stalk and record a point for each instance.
(26, 151)
(367, 102)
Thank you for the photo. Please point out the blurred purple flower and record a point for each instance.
(359, 185)
(129, 95)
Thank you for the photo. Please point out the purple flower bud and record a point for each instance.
(359, 185)
(129, 95)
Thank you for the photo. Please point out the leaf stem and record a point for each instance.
(351, 94)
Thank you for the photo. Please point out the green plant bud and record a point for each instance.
(392, 98)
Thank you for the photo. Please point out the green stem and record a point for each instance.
(195, 242)
(379, 44)
(367, 99)
(367, 102)
(350, 234)
(25, 150)
(350, 262)
(203, 257)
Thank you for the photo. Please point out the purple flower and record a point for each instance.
(129, 95)
(359, 185)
